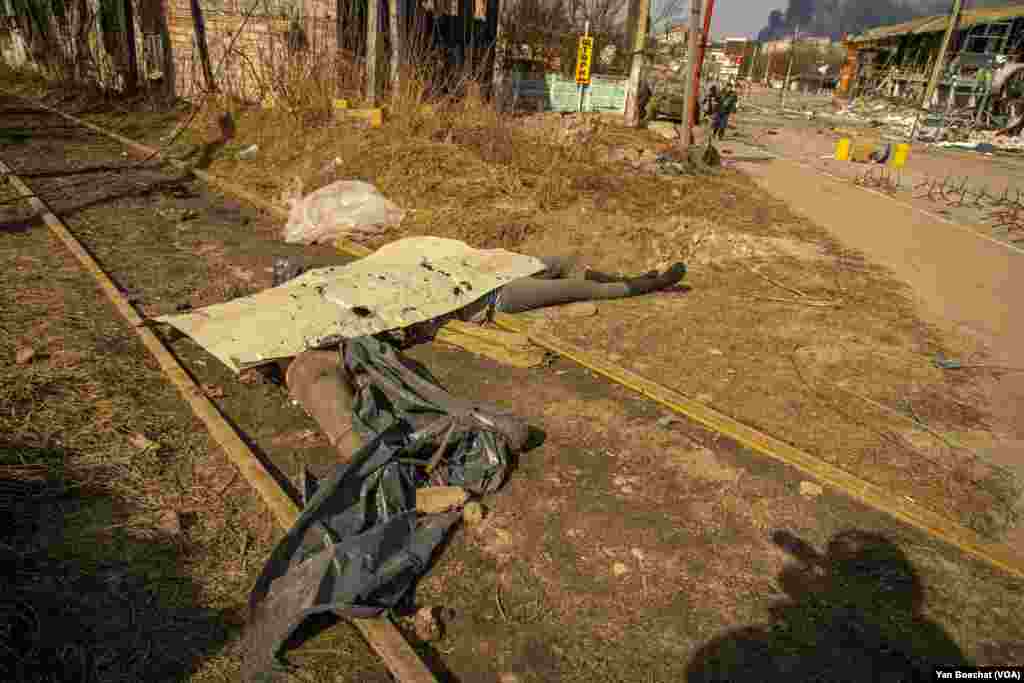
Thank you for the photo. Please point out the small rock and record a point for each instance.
(638, 554)
(24, 355)
(213, 391)
(509, 678)
(667, 421)
(143, 443)
(810, 489)
(715, 352)
(169, 523)
(426, 624)
(620, 569)
(473, 514)
(249, 152)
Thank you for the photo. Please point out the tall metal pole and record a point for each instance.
(586, 34)
(693, 78)
(940, 63)
(643, 13)
(705, 39)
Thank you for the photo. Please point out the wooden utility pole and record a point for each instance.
(642, 14)
(498, 76)
(395, 22)
(692, 78)
(940, 63)
(132, 80)
(201, 45)
(372, 50)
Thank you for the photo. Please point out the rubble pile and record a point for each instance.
(956, 127)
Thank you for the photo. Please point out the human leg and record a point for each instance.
(527, 294)
(320, 384)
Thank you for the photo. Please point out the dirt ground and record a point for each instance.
(778, 320)
(626, 542)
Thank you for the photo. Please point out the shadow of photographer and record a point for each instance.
(854, 613)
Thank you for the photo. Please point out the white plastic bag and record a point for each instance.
(346, 208)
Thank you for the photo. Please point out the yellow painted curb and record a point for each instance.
(374, 116)
(998, 555)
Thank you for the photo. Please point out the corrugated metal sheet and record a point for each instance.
(939, 23)
(402, 283)
(562, 94)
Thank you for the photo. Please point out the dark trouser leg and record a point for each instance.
(317, 380)
(557, 267)
(527, 294)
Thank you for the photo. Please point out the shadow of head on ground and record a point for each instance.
(853, 613)
(86, 599)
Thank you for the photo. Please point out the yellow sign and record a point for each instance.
(584, 55)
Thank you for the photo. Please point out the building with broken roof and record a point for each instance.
(981, 67)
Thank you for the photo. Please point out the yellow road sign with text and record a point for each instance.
(584, 55)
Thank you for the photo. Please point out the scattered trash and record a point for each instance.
(715, 352)
(810, 489)
(24, 355)
(619, 569)
(667, 421)
(427, 625)
(943, 364)
(143, 443)
(347, 208)
(248, 153)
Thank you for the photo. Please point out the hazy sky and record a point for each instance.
(733, 18)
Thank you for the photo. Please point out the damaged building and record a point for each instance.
(983, 70)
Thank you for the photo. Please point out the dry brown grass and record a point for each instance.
(551, 184)
(130, 532)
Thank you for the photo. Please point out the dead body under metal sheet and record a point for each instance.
(403, 283)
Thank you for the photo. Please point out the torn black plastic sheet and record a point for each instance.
(359, 545)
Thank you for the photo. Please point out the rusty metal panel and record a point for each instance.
(403, 283)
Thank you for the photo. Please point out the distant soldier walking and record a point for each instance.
(725, 109)
(645, 101)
